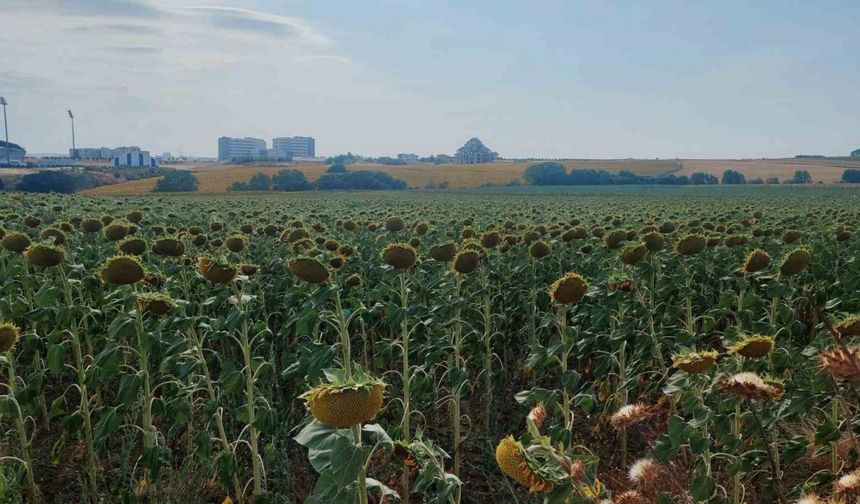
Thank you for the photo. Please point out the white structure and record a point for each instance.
(14, 152)
(408, 158)
(91, 153)
(309, 159)
(132, 156)
(290, 147)
(240, 148)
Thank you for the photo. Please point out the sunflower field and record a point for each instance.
(616, 347)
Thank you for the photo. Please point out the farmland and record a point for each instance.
(216, 179)
(528, 345)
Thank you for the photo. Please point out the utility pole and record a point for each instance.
(5, 127)
(74, 150)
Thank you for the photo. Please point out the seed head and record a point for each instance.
(748, 385)
(569, 289)
(9, 335)
(631, 415)
(399, 255)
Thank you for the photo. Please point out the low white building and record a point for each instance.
(14, 152)
(132, 156)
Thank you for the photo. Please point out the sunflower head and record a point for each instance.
(91, 225)
(842, 364)
(170, 247)
(691, 244)
(466, 261)
(511, 458)
(753, 346)
(394, 223)
(342, 406)
(15, 242)
(444, 252)
(695, 362)
(653, 241)
(849, 327)
(631, 414)
(540, 249)
(400, 256)
(795, 261)
(216, 271)
(235, 243)
(115, 231)
(748, 385)
(9, 335)
(634, 254)
(155, 304)
(122, 270)
(57, 236)
(308, 269)
(44, 255)
(569, 289)
(756, 260)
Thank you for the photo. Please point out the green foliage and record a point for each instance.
(733, 177)
(177, 181)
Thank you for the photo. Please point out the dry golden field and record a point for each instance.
(215, 178)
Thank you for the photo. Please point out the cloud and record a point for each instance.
(136, 50)
(106, 8)
(234, 18)
(120, 28)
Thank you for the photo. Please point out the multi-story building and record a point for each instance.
(290, 147)
(408, 158)
(240, 148)
(132, 156)
(91, 153)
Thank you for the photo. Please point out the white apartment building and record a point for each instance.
(240, 148)
(132, 156)
(290, 147)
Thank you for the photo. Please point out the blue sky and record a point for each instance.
(724, 79)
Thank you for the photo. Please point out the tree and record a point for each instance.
(359, 180)
(702, 178)
(336, 168)
(855, 153)
(177, 181)
(800, 177)
(543, 174)
(291, 180)
(47, 182)
(260, 182)
(756, 181)
(2, 185)
(772, 180)
(851, 176)
(732, 177)
(474, 151)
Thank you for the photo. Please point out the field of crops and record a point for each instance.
(674, 346)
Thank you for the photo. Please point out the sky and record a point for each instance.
(543, 79)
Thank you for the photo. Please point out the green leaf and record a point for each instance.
(108, 424)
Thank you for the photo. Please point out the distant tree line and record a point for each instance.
(552, 173)
(336, 178)
(350, 158)
(851, 176)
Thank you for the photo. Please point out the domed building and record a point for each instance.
(14, 151)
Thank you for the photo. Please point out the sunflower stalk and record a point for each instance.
(21, 430)
(148, 428)
(404, 334)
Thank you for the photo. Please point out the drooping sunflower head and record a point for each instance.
(756, 260)
(235, 243)
(54, 235)
(344, 406)
(155, 304)
(44, 255)
(169, 247)
(849, 484)
(645, 473)
(842, 364)
(653, 241)
(569, 289)
(444, 252)
(753, 346)
(394, 223)
(849, 326)
(490, 239)
(540, 249)
(132, 246)
(795, 261)
(631, 414)
(691, 244)
(122, 270)
(15, 242)
(216, 271)
(695, 362)
(400, 256)
(748, 385)
(9, 335)
(511, 458)
(308, 269)
(91, 225)
(466, 261)
(115, 231)
(634, 254)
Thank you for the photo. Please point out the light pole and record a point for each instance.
(5, 127)
(74, 150)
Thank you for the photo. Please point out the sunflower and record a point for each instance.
(122, 270)
(44, 255)
(748, 385)
(653, 241)
(795, 261)
(308, 269)
(216, 271)
(132, 246)
(400, 256)
(849, 327)
(155, 304)
(754, 346)
(569, 289)
(634, 254)
(630, 415)
(466, 261)
(695, 362)
(344, 406)
(170, 247)
(15, 242)
(511, 458)
(842, 364)
(235, 243)
(756, 260)
(540, 249)
(9, 335)
(691, 244)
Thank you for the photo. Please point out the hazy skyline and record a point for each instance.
(724, 79)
